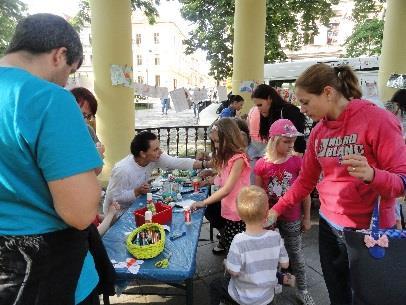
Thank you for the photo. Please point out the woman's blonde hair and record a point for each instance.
(270, 151)
(252, 204)
(342, 78)
(231, 141)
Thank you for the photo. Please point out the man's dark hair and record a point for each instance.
(141, 142)
(42, 33)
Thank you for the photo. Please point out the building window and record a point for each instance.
(157, 80)
(332, 34)
(140, 79)
(156, 38)
(157, 60)
(137, 39)
(139, 60)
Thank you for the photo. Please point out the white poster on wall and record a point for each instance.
(247, 86)
(121, 75)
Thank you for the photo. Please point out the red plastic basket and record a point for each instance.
(163, 215)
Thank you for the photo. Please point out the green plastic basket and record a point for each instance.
(147, 251)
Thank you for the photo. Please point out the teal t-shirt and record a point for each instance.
(43, 138)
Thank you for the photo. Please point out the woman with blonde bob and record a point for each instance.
(359, 150)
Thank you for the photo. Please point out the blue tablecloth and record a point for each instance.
(182, 263)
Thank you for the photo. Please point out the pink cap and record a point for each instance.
(284, 128)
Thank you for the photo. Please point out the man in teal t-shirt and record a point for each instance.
(48, 189)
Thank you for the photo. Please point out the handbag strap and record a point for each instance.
(375, 219)
(377, 251)
(375, 212)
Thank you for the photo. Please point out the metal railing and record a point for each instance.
(184, 141)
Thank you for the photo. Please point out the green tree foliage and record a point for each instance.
(293, 21)
(82, 17)
(364, 9)
(366, 37)
(11, 11)
(148, 7)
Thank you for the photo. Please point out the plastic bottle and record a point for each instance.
(150, 204)
(148, 216)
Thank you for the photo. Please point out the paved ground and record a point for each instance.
(209, 266)
(154, 118)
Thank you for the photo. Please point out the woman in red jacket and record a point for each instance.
(359, 151)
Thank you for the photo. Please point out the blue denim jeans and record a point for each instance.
(255, 151)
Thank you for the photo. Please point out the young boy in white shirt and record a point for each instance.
(253, 258)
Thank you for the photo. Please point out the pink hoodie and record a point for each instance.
(363, 129)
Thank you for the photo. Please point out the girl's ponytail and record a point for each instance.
(342, 78)
(349, 82)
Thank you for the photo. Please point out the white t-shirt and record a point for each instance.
(256, 259)
(128, 175)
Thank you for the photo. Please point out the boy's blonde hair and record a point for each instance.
(252, 204)
(270, 151)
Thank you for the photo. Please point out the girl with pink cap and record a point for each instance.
(275, 173)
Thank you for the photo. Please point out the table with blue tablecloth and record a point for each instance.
(182, 251)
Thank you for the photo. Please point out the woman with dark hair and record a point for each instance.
(397, 105)
(88, 105)
(269, 107)
(235, 104)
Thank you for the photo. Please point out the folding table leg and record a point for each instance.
(189, 291)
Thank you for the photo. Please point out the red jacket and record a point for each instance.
(364, 129)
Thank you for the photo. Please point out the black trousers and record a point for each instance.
(334, 264)
(41, 269)
(213, 215)
(219, 291)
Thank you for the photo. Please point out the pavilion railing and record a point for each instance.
(184, 141)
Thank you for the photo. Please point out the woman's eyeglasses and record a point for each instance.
(88, 116)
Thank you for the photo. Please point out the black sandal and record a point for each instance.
(218, 249)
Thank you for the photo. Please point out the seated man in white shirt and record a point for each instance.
(129, 177)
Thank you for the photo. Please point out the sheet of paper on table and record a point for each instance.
(185, 203)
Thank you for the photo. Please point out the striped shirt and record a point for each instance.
(256, 259)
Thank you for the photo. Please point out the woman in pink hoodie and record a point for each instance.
(359, 151)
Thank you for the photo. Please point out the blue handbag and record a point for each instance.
(377, 259)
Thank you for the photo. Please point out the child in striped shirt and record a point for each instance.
(253, 258)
